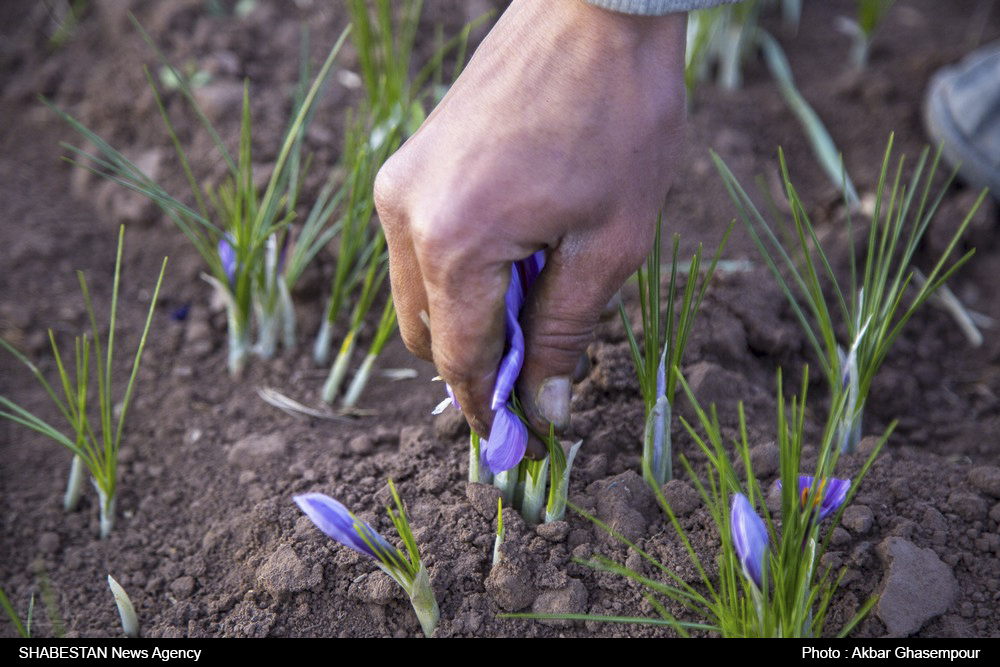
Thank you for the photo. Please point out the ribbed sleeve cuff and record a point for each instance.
(656, 7)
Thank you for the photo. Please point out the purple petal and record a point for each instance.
(529, 268)
(749, 538)
(661, 378)
(833, 493)
(833, 490)
(508, 440)
(451, 395)
(510, 366)
(228, 257)
(508, 435)
(337, 522)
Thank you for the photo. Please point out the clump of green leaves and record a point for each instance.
(664, 338)
(862, 29)
(94, 442)
(393, 108)
(239, 232)
(870, 306)
(721, 38)
(795, 592)
(718, 40)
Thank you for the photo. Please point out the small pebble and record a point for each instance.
(858, 519)
(967, 505)
(48, 543)
(572, 599)
(361, 444)
(681, 496)
(182, 587)
(765, 459)
(555, 531)
(986, 479)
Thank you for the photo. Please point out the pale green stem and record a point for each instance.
(811, 560)
(424, 602)
(657, 436)
(339, 369)
(288, 315)
(268, 324)
(860, 45)
(239, 334)
(506, 481)
(359, 381)
(74, 487)
(266, 306)
(239, 348)
(321, 349)
(497, 555)
(556, 509)
(791, 14)
(730, 74)
(107, 507)
(130, 622)
(534, 492)
(477, 473)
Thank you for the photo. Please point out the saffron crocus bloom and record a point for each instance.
(508, 439)
(227, 254)
(661, 390)
(830, 495)
(749, 539)
(408, 571)
(337, 522)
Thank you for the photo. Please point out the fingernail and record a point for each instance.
(553, 401)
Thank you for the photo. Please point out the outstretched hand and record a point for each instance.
(562, 134)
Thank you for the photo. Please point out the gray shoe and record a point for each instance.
(962, 112)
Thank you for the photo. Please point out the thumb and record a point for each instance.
(560, 315)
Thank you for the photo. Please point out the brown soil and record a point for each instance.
(208, 542)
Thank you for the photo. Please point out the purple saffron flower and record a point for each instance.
(338, 523)
(749, 538)
(227, 254)
(661, 390)
(508, 439)
(830, 495)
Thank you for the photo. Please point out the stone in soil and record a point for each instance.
(918, 587)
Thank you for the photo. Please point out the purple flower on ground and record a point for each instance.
(749, 538)
(830, 495)
(337, 522)
(508, 438)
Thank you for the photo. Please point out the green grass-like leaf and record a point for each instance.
(97, 444)
(870, 307)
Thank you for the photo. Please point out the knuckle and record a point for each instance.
(560, 343)
(416, 341)
(388, 193)
(450, 243)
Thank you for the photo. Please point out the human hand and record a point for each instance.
(562, 133)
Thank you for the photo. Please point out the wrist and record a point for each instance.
(653, 7)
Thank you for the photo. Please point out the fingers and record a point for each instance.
(563, 309)
(465, 285)
(408, 294)
(448, 287)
